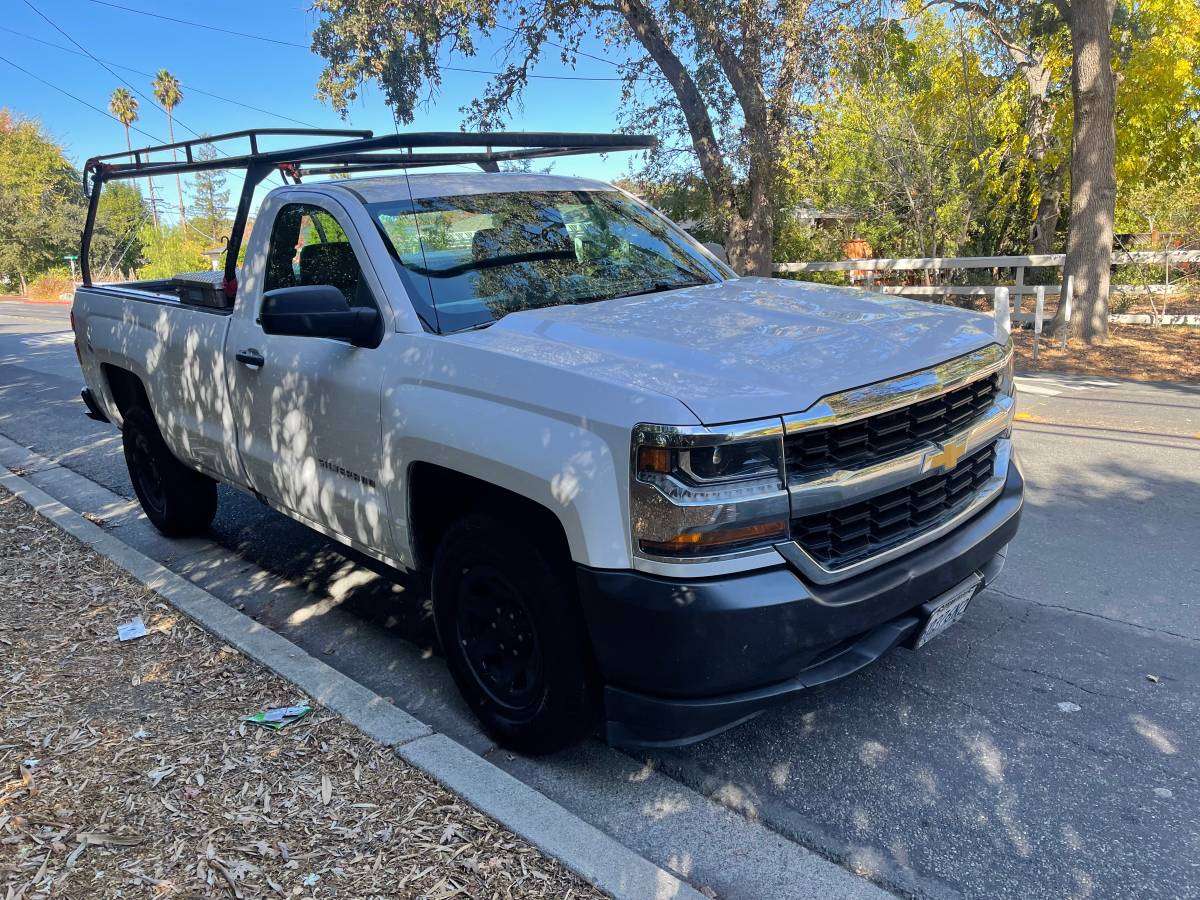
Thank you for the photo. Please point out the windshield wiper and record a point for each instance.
(656, 287)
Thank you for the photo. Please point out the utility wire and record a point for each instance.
(189, 85)
(78, 99)
(144, 12)
(256, 37)
(128, 84)
(109, 70)
(269, 40)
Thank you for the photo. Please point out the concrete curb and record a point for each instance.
(581, 847)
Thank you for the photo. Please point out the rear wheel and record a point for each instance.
(513, 636)
(178, 500)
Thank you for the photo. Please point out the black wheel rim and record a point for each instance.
(147, 476)
(498, 638)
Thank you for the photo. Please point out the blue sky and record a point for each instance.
(270, 76)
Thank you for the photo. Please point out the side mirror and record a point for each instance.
(717, 250)
(318, 310)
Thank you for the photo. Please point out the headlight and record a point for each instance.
(698, 493)
(1006, 373)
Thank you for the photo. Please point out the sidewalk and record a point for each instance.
(126, 768)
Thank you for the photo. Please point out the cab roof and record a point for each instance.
(387, 188)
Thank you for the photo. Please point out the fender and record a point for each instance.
(453, 405)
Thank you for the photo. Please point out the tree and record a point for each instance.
(1093, 135)
(911, 134)
(1026, 35)
(117, 241)
(41, 202)
(210, 199)
(718, 80)
(169, 94)
(1093, 163)
(1157, 61)
(124, 107)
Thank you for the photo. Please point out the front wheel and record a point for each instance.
(509, 623)
(177, 500)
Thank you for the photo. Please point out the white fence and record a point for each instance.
(1019, 264)
(1006, 299)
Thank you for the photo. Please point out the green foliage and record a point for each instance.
(124, 106)
(116, 242)
(683, 197)
(167, 90)
(1158, 110)
(169, 250)
(915, 134)
(41, 201)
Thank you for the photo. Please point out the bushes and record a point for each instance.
(169, 251)
(53, 285)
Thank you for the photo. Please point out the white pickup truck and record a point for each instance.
(649, 494)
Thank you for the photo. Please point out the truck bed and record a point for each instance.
(195, 289)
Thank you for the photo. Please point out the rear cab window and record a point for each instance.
(307, 247)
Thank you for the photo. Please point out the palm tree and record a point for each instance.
(124, 107)
(169, 93)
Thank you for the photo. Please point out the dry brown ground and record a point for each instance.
(126, 771)
(1138, 352)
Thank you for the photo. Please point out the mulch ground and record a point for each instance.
(126, 769)
(1137, 352)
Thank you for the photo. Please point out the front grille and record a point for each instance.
(865, 441)
(842, 536)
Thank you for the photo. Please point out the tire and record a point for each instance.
(179, 501)
(496, 593)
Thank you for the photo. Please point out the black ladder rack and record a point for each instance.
(363, 152)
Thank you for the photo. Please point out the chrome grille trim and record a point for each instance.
(847, 486)
(884, 396)
(811, 494)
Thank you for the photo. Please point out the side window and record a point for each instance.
(308, 246)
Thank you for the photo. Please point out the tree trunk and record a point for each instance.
(1049, 209)
(1093, 166)
(1039, 127)
(750, 242)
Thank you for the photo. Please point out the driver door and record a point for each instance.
(308, 407)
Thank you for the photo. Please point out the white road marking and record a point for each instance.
(1027, 387)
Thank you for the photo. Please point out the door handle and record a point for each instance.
(250, 357)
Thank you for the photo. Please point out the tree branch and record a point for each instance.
(645, 26)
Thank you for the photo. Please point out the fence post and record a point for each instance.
(1067, 299)
(1019, 288)
(1001, 310)
(1039, 310)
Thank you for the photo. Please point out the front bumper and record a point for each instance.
(683, 660)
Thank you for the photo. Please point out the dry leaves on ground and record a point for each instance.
(1138, 352)
(126, 771)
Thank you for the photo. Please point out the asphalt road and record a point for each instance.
(1044, 747)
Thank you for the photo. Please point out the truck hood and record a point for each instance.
(746, 348)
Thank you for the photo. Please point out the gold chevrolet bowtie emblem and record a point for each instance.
(948, 456)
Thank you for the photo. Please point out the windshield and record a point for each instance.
(475, 258)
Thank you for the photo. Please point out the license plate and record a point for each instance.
(947, 609)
